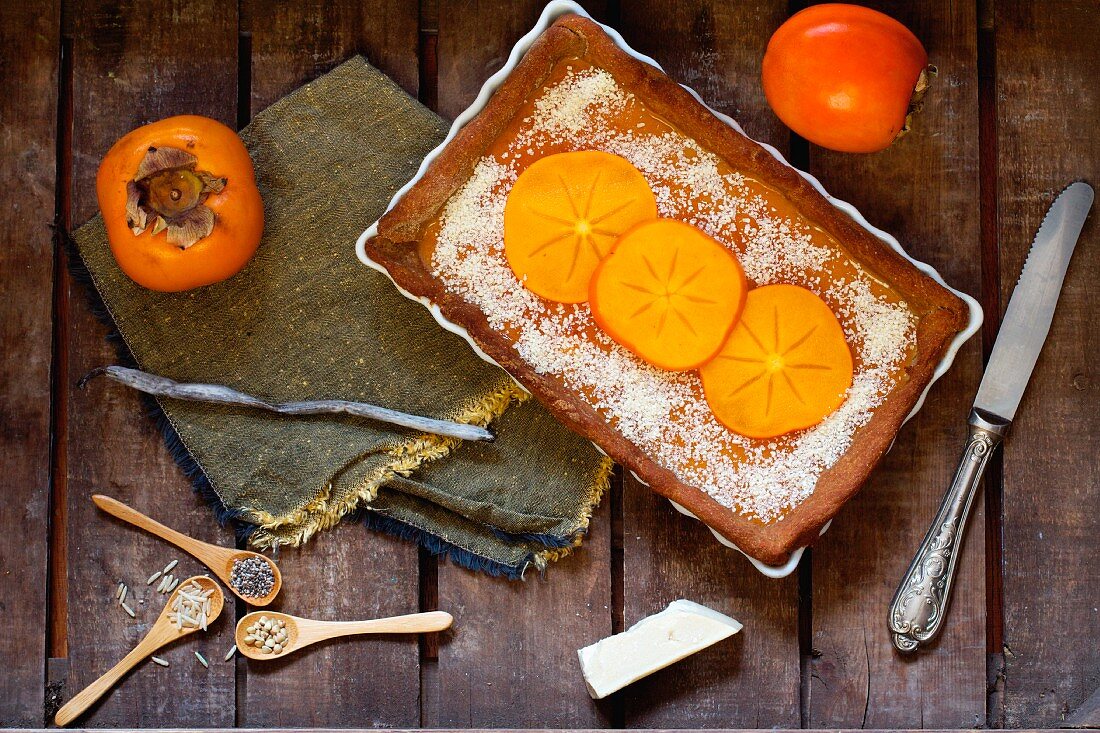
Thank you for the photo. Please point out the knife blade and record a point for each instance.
(1031, 308)
(921, 601)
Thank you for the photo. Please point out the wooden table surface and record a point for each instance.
(1010, 121)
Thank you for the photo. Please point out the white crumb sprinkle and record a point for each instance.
(665, 413)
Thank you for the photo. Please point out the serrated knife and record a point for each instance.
(921, 601)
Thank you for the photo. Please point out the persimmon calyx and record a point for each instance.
(168, 193)
(916, 101)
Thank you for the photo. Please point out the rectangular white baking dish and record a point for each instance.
(552, 12)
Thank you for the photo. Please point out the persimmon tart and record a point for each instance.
(503, 232)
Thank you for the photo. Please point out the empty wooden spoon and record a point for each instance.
(220, 560)
(301, 632)
(165, 630)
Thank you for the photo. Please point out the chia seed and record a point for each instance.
(252, 577)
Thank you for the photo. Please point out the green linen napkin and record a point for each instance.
(306, 320)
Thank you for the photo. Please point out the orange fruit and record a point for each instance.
(180, 203)
(844, 77)
(669, 293)
(785, 366)
(563, 215)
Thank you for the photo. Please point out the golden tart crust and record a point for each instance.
(406, 233)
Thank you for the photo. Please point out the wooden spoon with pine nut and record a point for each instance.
(220, 560)
(288, 633)
(168, 628)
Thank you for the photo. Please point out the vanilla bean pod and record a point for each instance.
(216, 393)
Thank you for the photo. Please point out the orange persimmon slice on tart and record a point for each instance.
(669, 293)
(563, 215)
(785, 366)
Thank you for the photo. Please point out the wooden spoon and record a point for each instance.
(219, 559)
(301, 632)
(164, 631)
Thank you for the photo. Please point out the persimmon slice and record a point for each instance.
(563, 215)
(669, 293)
(785, 366)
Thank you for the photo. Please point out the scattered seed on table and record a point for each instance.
(161, 662)
(129, 610)
(169, 566)
(163, 582)
(173, 586)
(122, 598)
(230, 653)
(118, 593)
(202, 660)
(152, 577)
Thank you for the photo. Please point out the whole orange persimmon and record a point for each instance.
(845, 77)
(180, 203)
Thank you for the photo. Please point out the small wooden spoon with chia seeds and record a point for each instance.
(220, 560)
(165, 630)
(301, 632)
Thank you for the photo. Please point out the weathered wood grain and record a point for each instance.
(512, 659)
(1047, 106)
(1086, 716)
(295, 42)
(347, 573)
(475, 38)
(29, 35)
(138, 60)
(752, 680)
(343, 574)
(923, 190)
(134, 63)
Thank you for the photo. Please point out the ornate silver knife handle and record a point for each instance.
(920, 602)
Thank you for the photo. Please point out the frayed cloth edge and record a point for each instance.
(407, 457)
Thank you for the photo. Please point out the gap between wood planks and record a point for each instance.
(799, 157)
(57, 550)
(244, 116)
(428, 597)
(57, 562)
(991, 304)
(613, 9)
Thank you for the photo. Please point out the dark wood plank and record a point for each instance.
(512, 657)
(1086, 716)
(748, 681)
(924, 190)
(29, 34)
(1047, 100)
(474, 41)
(752, 680)
(295, 42)
(135, 63)
(346, 573)
(343, 574)
(512, 661)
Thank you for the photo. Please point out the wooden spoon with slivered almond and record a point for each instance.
(301, 632)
